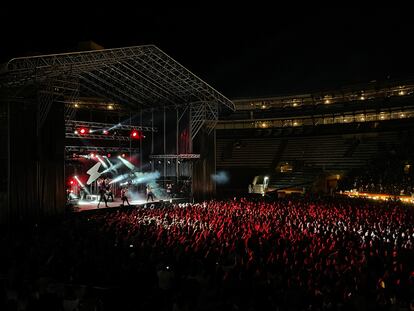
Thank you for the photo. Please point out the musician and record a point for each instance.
(124, 197)
(109, 193)
(102, 192)
(82, 193)
(149, 193)
(169, 190)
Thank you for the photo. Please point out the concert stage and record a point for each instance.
(81, 206)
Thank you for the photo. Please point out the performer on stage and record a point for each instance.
(82, 193)
(149, 193)
(124, 197)
(102, 192)
(109, 193)
(169, 190)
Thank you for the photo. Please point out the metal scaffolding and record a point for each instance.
(88, 149)
(175, 156)
(139, 81)
(140, 77)
(96, 130)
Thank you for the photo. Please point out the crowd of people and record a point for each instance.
(391, 172)
(288, 254)
(384, 176)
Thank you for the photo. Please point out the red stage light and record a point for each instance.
(71, 182)
(123, 155)
(83, 130)
(135, 134)
(92, 155)
(105, 132)
(108, 155)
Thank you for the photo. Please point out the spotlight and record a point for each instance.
(102, 161)
(135, 134)
(108, 155)
(127, 163)
(71, 182)
(83, 130)
(123, 155)
(76, 132)
(81, 184)
(169, 162)
(105, 132)
(92, 155)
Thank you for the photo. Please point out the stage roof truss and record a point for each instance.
(87, 149)
(139, 77)
(203, 113)
(188, 156)
(98, 136)
(96, 130)
(159, 79)
(71, 125)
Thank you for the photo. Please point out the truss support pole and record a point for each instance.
(140, 143)
(190, 130)
(130, 140)
(215, 162)
(165, 148)
(152, 139)
(176, 145)
(190, 149)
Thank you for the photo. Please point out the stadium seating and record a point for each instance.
(336, 153)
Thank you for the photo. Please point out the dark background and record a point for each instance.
(241, 51)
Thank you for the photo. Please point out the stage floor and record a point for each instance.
(85, 205)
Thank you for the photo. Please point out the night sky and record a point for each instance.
(242, 52)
